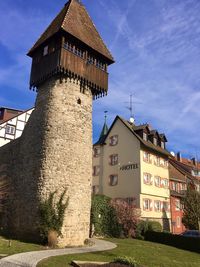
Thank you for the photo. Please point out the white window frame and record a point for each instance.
(96, 151)
(10, 129)
(113, 179)
(113, 159)
(113, 140)
(96, 170)
(145, 136)
(158, 207)
(147, 178)
(146, 157)
(157, 181)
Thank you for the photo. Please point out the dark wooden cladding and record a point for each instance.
(44, 67)
(83, 69)
(62, 61)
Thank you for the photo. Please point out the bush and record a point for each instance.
(144, 226)
(103, 217)
(126, 260)
(52, 215)
(127, 216)
(179, 241)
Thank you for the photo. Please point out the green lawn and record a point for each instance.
(17, 246)
(146, 253)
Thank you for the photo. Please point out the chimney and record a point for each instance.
(194, 162)
(178, 156)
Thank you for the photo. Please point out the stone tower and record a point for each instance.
(69, 69)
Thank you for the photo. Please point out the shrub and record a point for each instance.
(127, 216)
(179, 241)
(126, 260)
(154, 226)
(52, 215)
(103, 217)
(144, 226)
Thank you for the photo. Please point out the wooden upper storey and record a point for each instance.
(71, 46)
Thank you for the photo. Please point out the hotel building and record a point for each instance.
(131, 162)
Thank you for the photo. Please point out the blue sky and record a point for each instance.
(156, 45)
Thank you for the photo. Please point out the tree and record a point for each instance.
(191, 208)
(128, 216)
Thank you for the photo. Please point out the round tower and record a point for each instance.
(69, 70)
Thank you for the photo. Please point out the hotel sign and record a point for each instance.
(129, 167)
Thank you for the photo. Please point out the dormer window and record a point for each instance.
(163, 144)
(155, 141)
(46, 50)
(145, 136)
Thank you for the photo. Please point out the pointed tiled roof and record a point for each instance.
(103, 134)
(75, 20)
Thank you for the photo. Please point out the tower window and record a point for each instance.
(10, 129)
(46, 50)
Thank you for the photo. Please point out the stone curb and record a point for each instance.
(31, 259)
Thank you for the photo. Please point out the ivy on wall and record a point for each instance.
(104, 217)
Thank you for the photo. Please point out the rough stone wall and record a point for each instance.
(54, 153)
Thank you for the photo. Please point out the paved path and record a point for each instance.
(30, 259)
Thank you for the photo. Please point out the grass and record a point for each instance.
(146, 253)
(16, 246)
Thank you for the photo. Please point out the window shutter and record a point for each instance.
(151, 205)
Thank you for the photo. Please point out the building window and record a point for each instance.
(146, 157)
(95, 189)
(10, 129)
(182, 186)
(145, 136)
(130, 200)
(165, 183)
(96, 170)
(157, 161)
(46, 50)
(113, 179)
(147, 178)
(96, 151)
(155, 141)
(147, 204)
(113, 140)
(165, 206)
(163, 144)
(157, 205)
(157, 181)
(165, 163)
(114, 159)
(178, 222)
(177, 204)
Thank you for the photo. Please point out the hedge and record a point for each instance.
(178, 241)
